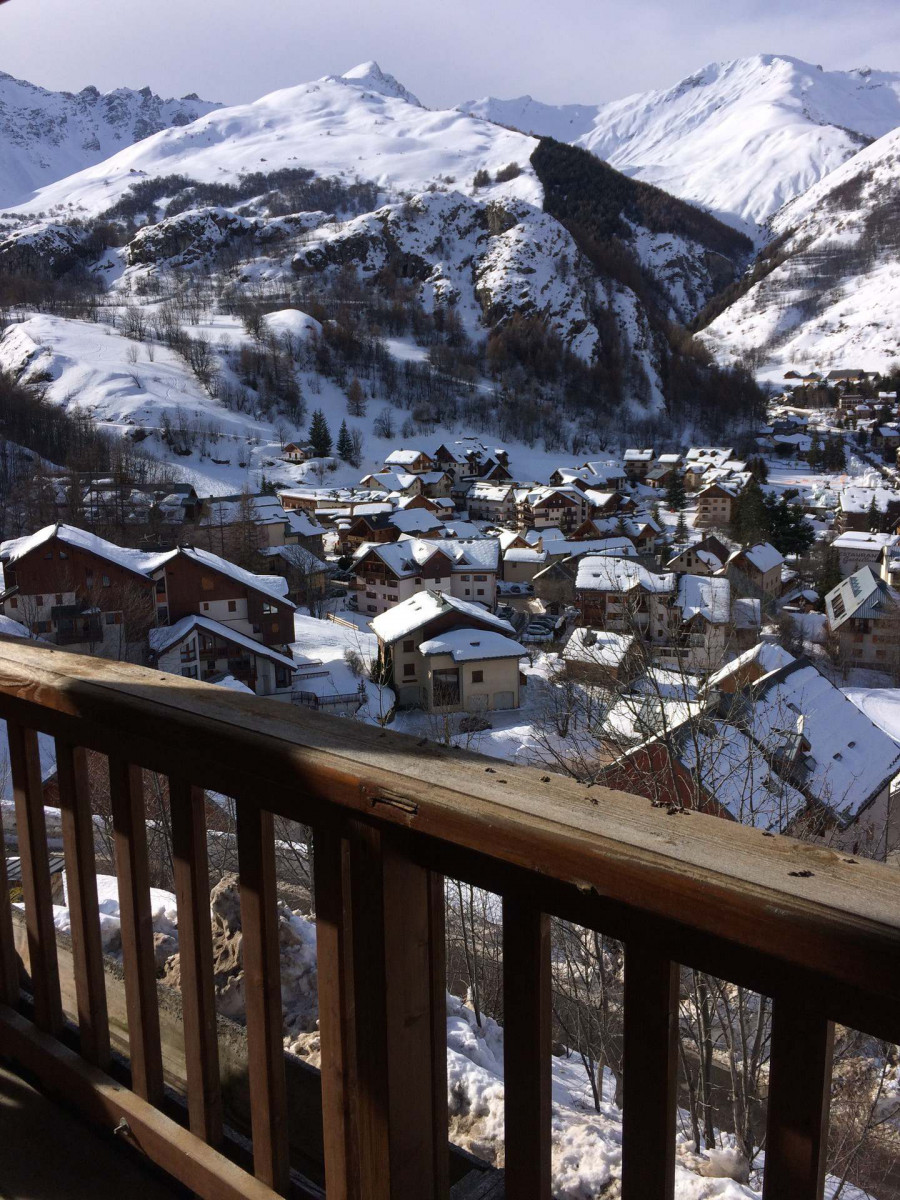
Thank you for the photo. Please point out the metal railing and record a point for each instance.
(815, 929)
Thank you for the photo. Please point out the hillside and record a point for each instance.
(830, 295)
(739, 138)
(46, 136)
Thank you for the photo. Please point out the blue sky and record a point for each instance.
(557, 50)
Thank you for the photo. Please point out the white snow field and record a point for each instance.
(359, 125)
(45, 136)
(739, 138)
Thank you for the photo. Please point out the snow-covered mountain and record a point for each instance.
(45, 136)
(740, 138)
(828, 291)
(362, 124)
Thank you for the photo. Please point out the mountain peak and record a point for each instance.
(370, 76)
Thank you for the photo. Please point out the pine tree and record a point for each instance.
(676, 497)
(319, 435)
(680, 535)
(345, 443)
(829, 574)
(814, 455)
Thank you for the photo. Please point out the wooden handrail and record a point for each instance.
(809, 926)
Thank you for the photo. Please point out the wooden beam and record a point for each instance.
(198, 1001)
(262, 996)
(650, 1074)
(802, 1051)
(526, 1050)
(28, 792)
(84, 914)
(130, 835)
(106, 1103)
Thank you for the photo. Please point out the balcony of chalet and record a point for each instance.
(390, 818)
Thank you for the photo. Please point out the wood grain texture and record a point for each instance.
(201, 1048)
(84, 914)
(28, 793)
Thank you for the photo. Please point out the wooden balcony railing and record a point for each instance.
(815, 929)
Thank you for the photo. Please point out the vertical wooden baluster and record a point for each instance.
(382, 1015)
(333, 938)
(84, 914)
(25, 765)
(799, 1093)
(9, 963)
(650, 1074)
(201, 1047)
(262, 995)
(130, 834)
(526, 1050)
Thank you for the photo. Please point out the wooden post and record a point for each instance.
(526, 1050)
(262, 995)
(800, 1063)
(130, 833)
(201, 1047)
(9, 961)
(650, 1080)
(84, 915)
(382, 1015)
(28, 791)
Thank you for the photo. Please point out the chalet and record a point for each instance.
(637, 464)
(700, 624)
(759, 660)
(600, 656)
(390, 574)
(715, 506)
(403, 482)
(491, 502)
(305, 574)
(759, 566)
(705, 557)
(232, 524)
(365, 529)
(296, 453)
(199, 648)
(444, 654)
(864, 615)
(660, 476)
(76, 589)
(547, 507)
(868, 508)
(624, 595)
(521, 566)
(845, 375)
(437, 484)
(413, 462)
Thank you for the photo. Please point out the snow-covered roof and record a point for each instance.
(418, 610)
(763, 556)
(414, 520)
(860, 540)
(404, 458)
(859, 499)
(747, 613)
(704, 596)
(634, 455)
(270, 585)
(618, 547)
(297, 556)
(487, 490)
(167, 636)
(850, 759)
(139, 561)
(768, 655)
(864, 594)
(604, 573)
(471, 645)
(736, 773)
(519, 554)
(600, 647)
(713, 456)
(409, 555)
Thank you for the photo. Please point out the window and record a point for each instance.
(232, 605)
(269, 609)
(205, 606)
(392, 597)
(370, 595)
(418, 579)
(480, 592)
(39, 600)
(207, 583)
(59, 598)
(161, 586)
(480, 578)
(468, 591)
(408, 646)
(62, 554)
(14, 602)
(409, 668)
(478, 676)
(466, 578)
(110, 618)
(273, 628)
(189, 672)
(371, 607)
